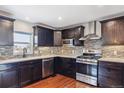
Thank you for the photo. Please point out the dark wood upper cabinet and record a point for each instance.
(113, 31)
(74, 33)
(6, 31)
(43, 36)
(57, 38)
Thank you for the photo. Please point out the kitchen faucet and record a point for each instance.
(24, 52)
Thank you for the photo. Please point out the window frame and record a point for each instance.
(31, 40)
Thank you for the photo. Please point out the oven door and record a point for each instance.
(86, 69)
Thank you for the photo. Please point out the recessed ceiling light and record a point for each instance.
(27, 18)
(59, 18)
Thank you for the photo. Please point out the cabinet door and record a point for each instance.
(108, 33)
(79, 32)
(49, 37)
(37, 71)
(25, 74)
(45, 36)
(119, 32)
(41, 37)
(69, 67)
(110, 74)
(57, 38)
(110, 82)
(6, 32)
(57, 65)
(68, 34)
(113, 31)
(10, 78)
(73, 33)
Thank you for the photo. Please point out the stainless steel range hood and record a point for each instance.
(92, 35)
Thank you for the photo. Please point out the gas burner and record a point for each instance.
(89, 57)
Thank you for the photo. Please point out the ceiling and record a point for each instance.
(68, 14)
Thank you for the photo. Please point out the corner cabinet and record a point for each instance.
(113, 31)
(65, 66)
(110, 74)
(6, 31)
(43, 36)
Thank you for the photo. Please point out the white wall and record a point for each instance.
(23, 26)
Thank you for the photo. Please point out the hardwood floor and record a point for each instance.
(59, 81)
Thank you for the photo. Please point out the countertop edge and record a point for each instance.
(16, 60)
(115, 60)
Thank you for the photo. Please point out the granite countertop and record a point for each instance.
(117, 60)
(13, 60)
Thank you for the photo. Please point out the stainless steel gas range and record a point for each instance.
(86, 67)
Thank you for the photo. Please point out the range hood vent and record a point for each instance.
(91, 36)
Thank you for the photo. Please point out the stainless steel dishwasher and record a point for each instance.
(47, 67)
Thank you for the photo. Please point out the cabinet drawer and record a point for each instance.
(110, 65)
(8, 66)
(109, 82)
(110, 72)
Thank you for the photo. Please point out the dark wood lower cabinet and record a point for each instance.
(9, 75)
(37, 71)
(110, 74)
(20, 74)
(30, 72)
(108, 82)
(10, 78)
(66, 66)
(25, 74)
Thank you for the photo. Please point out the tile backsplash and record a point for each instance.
(107, 51)
(73, 50)
(113, 51)
(6, 50)
(93, 44)
(58, 50)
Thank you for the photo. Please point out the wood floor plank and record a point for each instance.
(59, 81)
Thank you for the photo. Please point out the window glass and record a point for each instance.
(22, 40)
(22, 37)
